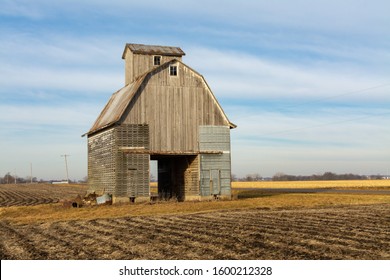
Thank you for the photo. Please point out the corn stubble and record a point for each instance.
(267, 226)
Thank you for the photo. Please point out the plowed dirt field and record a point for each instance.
(334, 232)
(35, 194)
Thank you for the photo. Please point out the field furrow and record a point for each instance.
(18, 244)
(167, 238)
(316, 232)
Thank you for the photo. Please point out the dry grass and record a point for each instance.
(369, 184)
(55, 212)
(23, 208)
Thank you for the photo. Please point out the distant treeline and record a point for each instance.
(14, 179)
(315, 177)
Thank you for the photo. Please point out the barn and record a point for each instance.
(166, 112)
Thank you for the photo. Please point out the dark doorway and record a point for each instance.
(175, 176)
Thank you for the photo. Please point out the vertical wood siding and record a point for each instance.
(138, 64)
(174, 107)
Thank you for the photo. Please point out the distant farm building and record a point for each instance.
(168, 113)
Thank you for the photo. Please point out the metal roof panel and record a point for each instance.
(116, 106)
(153, 49)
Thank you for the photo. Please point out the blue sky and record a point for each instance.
(307, 82)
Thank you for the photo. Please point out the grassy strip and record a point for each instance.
(56, 212)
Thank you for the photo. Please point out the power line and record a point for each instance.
(323, 124)
(31, 174)
(337, 95)
(334, 122)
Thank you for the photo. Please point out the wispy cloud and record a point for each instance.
(259, 77)
(60, 62)
(319, 16)
(327, 138)
(20, 9)
(39, 134)
(306, 81)
(69, 114)
(16, 78)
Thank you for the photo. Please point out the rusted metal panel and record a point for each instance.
(153, 49)
(116, 106)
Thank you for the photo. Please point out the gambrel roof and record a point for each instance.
(120, 100)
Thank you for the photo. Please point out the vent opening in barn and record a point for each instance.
(166, 112)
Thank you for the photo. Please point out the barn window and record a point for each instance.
(157, 60)
(173, 70)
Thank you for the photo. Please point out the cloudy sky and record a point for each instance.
(307, 82)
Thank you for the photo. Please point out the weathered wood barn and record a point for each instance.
(165, 112)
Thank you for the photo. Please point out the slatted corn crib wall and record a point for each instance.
(101, 162)
(132, 178)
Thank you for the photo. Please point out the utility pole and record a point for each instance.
(66, 166)
(30, 173)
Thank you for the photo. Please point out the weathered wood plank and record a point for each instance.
(174, 112)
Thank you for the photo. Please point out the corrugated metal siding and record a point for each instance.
(215, 168)
(214, 138)
(116, 106)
